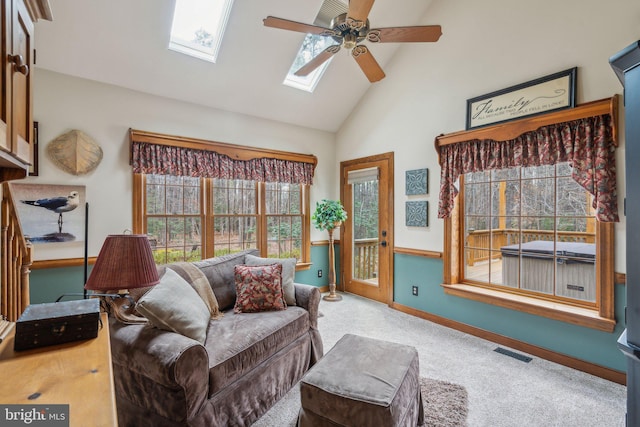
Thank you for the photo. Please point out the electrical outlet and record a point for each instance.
(319, 273)
(414, 291)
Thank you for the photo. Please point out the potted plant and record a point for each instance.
(328, 215)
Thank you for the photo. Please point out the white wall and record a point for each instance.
(107, 112)
(486, 46)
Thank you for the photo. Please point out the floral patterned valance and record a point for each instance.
(161, 159)
(587, 144)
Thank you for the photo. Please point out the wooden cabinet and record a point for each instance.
(626, 64)
(16, 109)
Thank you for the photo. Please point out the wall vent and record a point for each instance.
(518, 356)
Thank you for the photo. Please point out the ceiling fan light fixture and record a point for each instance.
(350, 41)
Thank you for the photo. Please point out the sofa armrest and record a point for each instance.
(170, 360)
(308, 297)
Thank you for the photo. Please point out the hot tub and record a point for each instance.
(573, 265)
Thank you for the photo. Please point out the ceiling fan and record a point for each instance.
(351, 28)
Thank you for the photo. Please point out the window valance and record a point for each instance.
(169, 155)
(583, 136)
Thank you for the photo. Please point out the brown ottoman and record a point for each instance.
(363, 382)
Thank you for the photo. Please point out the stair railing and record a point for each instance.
(16, 256)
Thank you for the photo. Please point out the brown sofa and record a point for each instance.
(247, 363)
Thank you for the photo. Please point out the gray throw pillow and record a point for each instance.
(288, 273)
(173, 305)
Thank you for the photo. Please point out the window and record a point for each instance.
(311, 47)
(313, 44)
(285, 220)
(235, 215)
(198, 27)
(174, 215)
(526, 239)
(530, 230)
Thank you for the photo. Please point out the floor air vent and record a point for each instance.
(520, 357)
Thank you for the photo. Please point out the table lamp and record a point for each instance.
(125, 261)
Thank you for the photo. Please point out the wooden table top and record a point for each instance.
(77, 373)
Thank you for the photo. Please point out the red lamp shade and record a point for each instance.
(125, 262)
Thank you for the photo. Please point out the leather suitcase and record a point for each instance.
(46, 324)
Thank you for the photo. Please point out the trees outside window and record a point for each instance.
(527, 238)
(189, 219)
(174, 217)
(530, 230)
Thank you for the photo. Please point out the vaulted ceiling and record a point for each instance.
(124, 43)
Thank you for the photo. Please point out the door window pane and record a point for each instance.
(365, 231)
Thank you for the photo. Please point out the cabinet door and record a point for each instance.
(22, 58)
(5, 78)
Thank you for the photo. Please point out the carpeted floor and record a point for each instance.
(502, 391)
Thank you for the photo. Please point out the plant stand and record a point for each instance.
(333, 296)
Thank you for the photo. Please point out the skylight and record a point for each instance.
(198, 27)
(312, 45)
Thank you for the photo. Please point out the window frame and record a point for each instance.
(200, 215)
(304, 215)
(211, 216)
(600, 317)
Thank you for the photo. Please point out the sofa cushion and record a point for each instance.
(258, 288)
(288, 273)
(238, 343)
(219, 272)
(199, 282)
(173, 305)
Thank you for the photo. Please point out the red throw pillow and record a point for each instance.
(259, 288)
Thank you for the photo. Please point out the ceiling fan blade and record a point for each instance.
(285, 24)
(368, 63)
(427, 33)
(359, 9)
(320, 59)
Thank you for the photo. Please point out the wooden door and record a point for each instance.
(366, 248)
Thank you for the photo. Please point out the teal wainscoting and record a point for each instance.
(582, 343)
(47, 284)
(319, 261)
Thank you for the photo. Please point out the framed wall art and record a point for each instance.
(549, 93)
(417, 182)
(417, 214)
(51, 213)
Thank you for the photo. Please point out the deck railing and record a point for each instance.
(365, 258)
(15, 260)
(480, 241)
